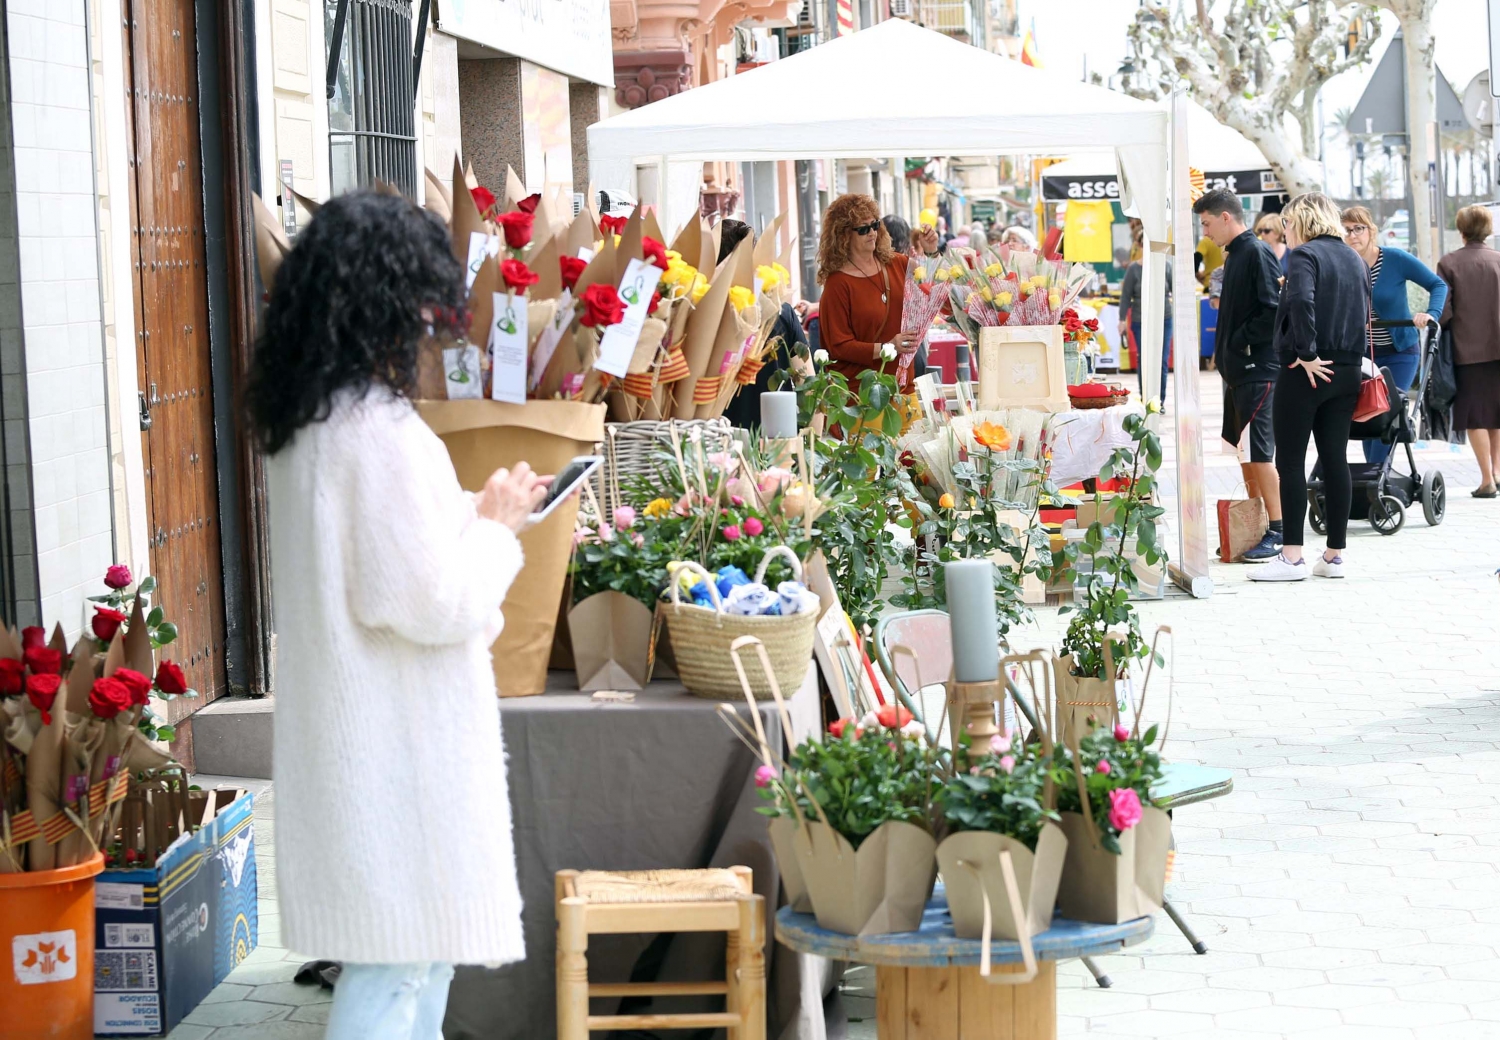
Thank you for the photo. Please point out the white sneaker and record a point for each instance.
(1326, 568)
(1279, 569)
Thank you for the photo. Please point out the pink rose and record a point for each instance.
(765, 776)
(723, 460)
(638, 539)
(605, 534)
(973, 770)
(753, 526)
(1121, 733)
(1000, 745)
(731, 533)
(774, 479)
(684, 505)
(736, 501)
(580, 536)
(1124, 808)
(1102, 768)
(118, 576)
(624, 517)
(1008, 763)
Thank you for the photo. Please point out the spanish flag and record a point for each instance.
(1029, 55)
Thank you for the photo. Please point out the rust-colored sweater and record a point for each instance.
(853, 322)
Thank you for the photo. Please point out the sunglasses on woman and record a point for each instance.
(865, 229)
(1265, 231)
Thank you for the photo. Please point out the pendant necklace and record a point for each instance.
(885, 294)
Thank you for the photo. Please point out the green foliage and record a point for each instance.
(1111, 579)
(1132, 764)
(999, 789)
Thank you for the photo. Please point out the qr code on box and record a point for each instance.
(124, 971)
(129, 935)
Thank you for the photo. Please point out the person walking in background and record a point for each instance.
(1268, 232)
(1472, 315)
(1399, 348)
(394, 851)
(1321, 335)
(1130, 316)
(1244, 352)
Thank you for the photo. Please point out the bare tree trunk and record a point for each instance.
(1421, 113)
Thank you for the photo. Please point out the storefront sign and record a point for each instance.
(1241, 182)
(567, 36)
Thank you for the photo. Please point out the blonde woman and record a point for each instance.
(1268, 230)
(1321, 334)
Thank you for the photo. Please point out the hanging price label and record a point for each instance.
(508, 338)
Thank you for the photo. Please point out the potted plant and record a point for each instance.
(865, 848)
(1094, 657)
(1117, 838)
(999, 801)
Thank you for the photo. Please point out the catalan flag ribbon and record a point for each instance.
(1029, 55)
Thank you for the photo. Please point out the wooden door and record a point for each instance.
(171, 311)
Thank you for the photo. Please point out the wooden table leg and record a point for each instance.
(957, 1004)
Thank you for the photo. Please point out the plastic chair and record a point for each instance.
(927, 634)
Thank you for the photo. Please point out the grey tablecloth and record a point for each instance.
(660, 782)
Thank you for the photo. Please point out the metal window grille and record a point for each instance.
(372, 135)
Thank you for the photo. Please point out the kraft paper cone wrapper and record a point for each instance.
(44, 780)
(581, 234)
(611, 635)
(439, 198)
(765, 245)
(15, 725)
(653, 331)
(689, 243)
(1101, 887)
(81, 744)
(515, 191)
(544, 261)
(732, 330)
(466, 218)
(138, 654)
(1038, 875)
(271, 243)
(713, 240)
(74, 694)
(650, 225)
(482, 303)
(883, 887)
(481, 436)
(698, 342)
(629, 246)
(10, 644)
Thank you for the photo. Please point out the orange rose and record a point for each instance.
(945, 502)
(992, 436)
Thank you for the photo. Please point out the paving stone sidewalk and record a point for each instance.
(1348, 888)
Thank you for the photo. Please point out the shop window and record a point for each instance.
(372, 134)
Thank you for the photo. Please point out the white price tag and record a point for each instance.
(461, 369)
(508, 339)
(585, 254)
(480, 247)
(617, 346)
(546, 344)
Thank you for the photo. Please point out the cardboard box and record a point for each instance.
(1022, 367)
(165, 936)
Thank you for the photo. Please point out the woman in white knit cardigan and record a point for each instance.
(393, 847)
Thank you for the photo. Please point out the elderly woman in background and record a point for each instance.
(1399, 348)
(1268, 230)
(864, 283)
(1017, 237)
(1473, 316)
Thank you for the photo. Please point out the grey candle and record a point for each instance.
(972, 619)
(778, 415)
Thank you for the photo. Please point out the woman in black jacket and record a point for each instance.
(1322, 331)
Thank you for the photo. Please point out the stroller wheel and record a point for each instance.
(1434, 497)
(1315, 513)
(1387, 514)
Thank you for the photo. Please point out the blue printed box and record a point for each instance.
(166, 936)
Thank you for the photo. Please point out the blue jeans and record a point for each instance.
(1166, 356)
(390, 1002)
(1403, 368)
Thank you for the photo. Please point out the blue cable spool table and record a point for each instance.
(927, 982)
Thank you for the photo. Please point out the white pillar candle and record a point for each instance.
(972, 619)
(778, 415)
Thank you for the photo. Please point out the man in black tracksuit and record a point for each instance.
(1243, 352)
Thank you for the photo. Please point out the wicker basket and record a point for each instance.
(628, 448)
(701, 639)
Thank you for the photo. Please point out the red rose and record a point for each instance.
(529, 203)
(837, 727)
(655, 299)
(655, 252)
(118, 576)
(1092, 324)
(601, 306)
(43, 661)
(109, 697)
(12, 677)
(517, 275)
(613, 225)
(517, 228)
(484, 199)
(893, 716)
(41, 691)
(106, 623)
(169, 678)
(138, 684)
(32, 636)
(571, 268)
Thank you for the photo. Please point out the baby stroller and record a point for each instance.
(1381, 492)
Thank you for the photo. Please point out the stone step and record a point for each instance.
(232, 737)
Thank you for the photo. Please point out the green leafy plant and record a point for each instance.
(1119, 770)
(998, 788)
(1108, 549)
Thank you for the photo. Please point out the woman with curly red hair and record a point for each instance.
(864, 282)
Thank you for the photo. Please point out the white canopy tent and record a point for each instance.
(896, 90)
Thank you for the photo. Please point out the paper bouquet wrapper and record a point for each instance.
(1101, 887)
(44, 766)
(614, 640)
(1038, 875)
(83, 736)
(701, 340)
(883, 887)
(783, 837)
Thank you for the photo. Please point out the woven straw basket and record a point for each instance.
(701, 639)
(629, 450)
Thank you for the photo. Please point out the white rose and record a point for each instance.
(888, 351)
(820, 356)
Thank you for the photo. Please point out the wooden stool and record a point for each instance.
(596, 902)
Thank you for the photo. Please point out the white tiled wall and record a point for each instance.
(60, 307)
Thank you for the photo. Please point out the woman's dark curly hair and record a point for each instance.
(348, 310)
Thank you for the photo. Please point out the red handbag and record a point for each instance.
(1374, 397)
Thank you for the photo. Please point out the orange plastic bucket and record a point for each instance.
(47, 941)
